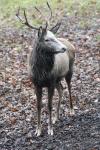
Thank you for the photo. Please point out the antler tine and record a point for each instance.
(37, 9)
(47, 20)
(40, 13)
(50, 10)
(58, 24)
(17, 14)
(26, 21)
(25, 17)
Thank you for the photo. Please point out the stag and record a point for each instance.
(50, 60)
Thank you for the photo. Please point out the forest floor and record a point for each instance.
(18, 101)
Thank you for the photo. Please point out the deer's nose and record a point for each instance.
(64, 49)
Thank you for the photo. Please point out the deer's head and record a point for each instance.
(47, 41)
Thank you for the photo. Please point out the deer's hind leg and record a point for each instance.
(68, 80)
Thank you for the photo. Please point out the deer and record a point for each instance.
(50, 60)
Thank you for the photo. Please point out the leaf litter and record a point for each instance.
(18, 99)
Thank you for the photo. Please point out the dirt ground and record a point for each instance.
(18, 101)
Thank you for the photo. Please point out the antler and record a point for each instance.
(50, 10)
(58, 24)
(43, 17)
(26, 21)
(47, 20)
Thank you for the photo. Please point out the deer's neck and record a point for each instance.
(44, 61)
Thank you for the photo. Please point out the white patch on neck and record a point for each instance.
(61, 64)
(51, 37)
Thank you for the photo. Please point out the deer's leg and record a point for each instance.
(68, 80)
(50, 97)
(60, 91)
(39, 100)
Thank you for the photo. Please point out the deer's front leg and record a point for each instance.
(60, 92)
(50, 96)
(39, 100)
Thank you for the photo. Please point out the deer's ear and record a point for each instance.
(40, 32)
(55, 28)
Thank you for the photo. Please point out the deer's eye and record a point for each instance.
(47, 40)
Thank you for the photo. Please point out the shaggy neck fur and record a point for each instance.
(42, 65)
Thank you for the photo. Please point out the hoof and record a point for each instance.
(50, 131)
(72, 112)
(54, 119)
(38, 132)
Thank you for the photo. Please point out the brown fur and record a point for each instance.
(71, 48)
